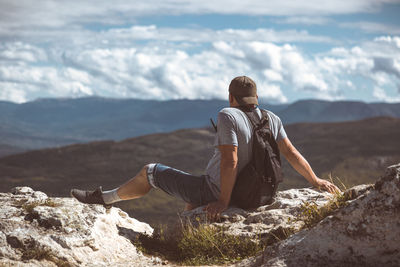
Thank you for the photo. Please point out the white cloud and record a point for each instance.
(168, 72)
(148, 72)
(207, 35)
(387, 65)
(18, 51)
(271, 92)
(75, 22)
(151, 72)
(380, 55)
(275, 63)
(125, 37)
(376, 62)
(50, 13)
(343, 61)
(372, 27)
(381, 79)
(395, 40)
(12, 92)
(306, 20)
(381, 95)
(302, 73)
(22, 79)
(272, 75)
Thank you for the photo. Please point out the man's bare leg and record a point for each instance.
(136, 187)
(139, 186)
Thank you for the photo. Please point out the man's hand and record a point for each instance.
(327, 186)
(214, 209)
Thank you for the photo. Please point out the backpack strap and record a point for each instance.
(264, 114)
(254, 118)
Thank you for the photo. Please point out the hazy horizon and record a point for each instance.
(261, 100)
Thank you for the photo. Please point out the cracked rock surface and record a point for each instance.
(366, 232)
(274, 219)
(40, 231)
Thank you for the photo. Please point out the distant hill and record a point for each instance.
(57, 122)
(9, 150)
(324, 111)
(356, 151)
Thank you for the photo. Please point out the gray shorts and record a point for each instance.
(190, 188)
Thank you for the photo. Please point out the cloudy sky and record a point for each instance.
(173, 49)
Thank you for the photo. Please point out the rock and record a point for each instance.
(40, 231)
(277, 218)
(24, 190)
(357, 190)
(366, 232)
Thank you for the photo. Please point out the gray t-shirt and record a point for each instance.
(234, 128)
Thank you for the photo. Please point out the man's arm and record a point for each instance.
(301, 165)
(229, 160)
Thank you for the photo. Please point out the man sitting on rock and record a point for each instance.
(233, 151)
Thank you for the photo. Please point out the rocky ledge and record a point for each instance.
(37, 230)
(277, 219)
(366, 232)
(40, 231)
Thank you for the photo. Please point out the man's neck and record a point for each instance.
(247, 108)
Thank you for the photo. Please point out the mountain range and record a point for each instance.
(56, 122)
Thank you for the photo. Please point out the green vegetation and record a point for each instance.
(311, 214)
(278, 235)
(201, 245)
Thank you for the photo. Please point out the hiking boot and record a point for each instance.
(90, 197)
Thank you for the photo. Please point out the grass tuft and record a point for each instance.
(311, 214)
(278, 235)
(201, 245)
(207, 244)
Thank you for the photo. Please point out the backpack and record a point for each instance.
(257, 183)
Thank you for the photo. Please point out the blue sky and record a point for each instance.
(173, 49)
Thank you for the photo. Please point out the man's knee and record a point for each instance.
(145, 167)
(146, 172)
